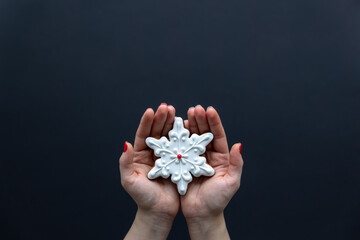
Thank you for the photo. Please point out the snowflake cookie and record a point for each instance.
(180, 156)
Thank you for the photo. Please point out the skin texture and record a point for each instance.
(158, 200)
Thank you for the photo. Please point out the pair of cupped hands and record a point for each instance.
(158, 200)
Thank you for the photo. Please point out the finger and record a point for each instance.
(144, 130)
(192, 122)
(126, 161)
(169, 120)
(200, 117)
(159, 121)
(236, 162)
(186, 124)
(219, 142)
(202, 123)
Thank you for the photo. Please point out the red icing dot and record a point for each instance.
(179, 156)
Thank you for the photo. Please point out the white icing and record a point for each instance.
(180, 156)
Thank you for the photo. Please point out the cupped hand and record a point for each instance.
(158, 197)
(207, 197)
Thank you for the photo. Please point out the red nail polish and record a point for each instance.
(125, 147)
(240, 148)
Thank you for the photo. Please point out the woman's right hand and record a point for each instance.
(157, 200)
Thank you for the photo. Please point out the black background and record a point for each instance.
(76, 77)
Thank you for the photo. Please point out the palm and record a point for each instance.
(159, 195)
(206, 196)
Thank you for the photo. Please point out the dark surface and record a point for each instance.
(76, 77)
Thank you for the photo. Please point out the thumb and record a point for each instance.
(236, 162)
(126, 160)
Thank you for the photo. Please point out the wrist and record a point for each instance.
(210, 227)
(148, 225)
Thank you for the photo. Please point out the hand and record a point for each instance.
(207, 197)
(157, 200)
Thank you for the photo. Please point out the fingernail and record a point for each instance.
(210, 107)
(191, 108)
(198, 105)
(125, 147)
(240, 148)
(162, 104)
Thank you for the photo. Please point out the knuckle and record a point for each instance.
(241, 163)
(126, 182)
(123, 183)
(235, 184)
